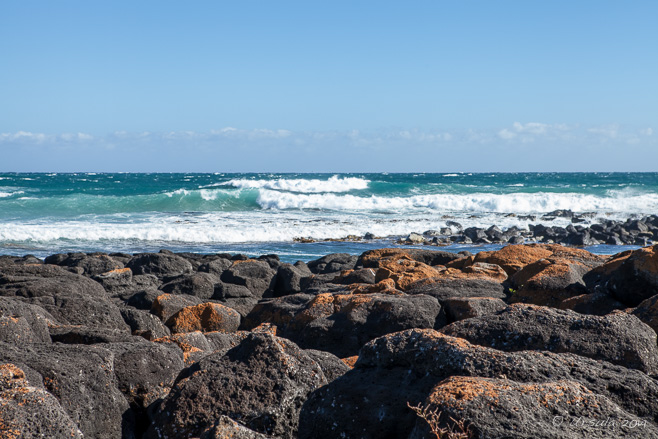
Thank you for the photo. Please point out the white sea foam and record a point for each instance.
(451, 175)
(9, 194)
(478, 202)
(333, 184)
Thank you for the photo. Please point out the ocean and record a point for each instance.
(256, 214)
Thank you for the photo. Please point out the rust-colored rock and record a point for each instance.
(205, 317)
(514, 257)
(350, 361)
(403, 270)
(549, 281)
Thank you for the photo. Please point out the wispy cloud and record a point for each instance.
(232, 148)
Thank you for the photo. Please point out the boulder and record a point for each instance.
(523, 327)
(498, 408)
(332, 263)
(630, 276)
(371, 258)
(194, 345)
(647, 312)
(288, 279)
(30, 412)
(257, 276)
(549, 281)
(332, 366)
(204, 317)
(69, 298)
(404, 271)
(261, 383)
(370, 401)
(91, 264)
(598, 304)
(115, 282)
(81, 378)
(512, 258)
(342, 323)
(166, 305)
(144, 324)
(460, 308)
(160, 264)
(201, 285)
(359, 276)
(34, 316)
(215, 266)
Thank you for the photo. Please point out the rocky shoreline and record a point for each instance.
(641, 231)
(533, 340)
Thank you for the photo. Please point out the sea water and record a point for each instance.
(42, 214)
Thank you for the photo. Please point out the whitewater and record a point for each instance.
(261, 213)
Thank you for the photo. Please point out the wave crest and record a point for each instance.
(333, 184)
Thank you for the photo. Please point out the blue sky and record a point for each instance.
(332, 86)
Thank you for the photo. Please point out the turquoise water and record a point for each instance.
(264, 213)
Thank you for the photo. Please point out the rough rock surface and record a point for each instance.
(529, 327)
(342, 323)
(630, 276)
(226, 427)
(205, 317)
(201, 285)
(370, 401)
(460, 308)
(91, 264)
(31, 412)
(257, 276)
(81, 378)
(494, 408)
(647, 312)
(261, 383)
(160, 264)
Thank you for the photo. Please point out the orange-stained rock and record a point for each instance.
(267, 328)
(549, 281)
(193, 344)
(371, 258)
(514, 257)
(166, 305)
(385, 286)
(350, 361)
(501, 408)
(205, 317)
(403, 270)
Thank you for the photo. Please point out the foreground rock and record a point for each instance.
(261, 383)
(619, 338)
(30, 412)
(371, 400)
(496, 408)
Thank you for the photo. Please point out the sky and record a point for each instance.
(341, 86)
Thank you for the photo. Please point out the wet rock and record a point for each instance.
(414, 238)
(201, 285)
(28, 411)
(256, 276)
(205, 317)
(160, 264)
(522, 327)
(498, 408)
(261, 383)
(460, 308)
(332, 263)
(371, 400)
(81, 378)
(342, 323)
